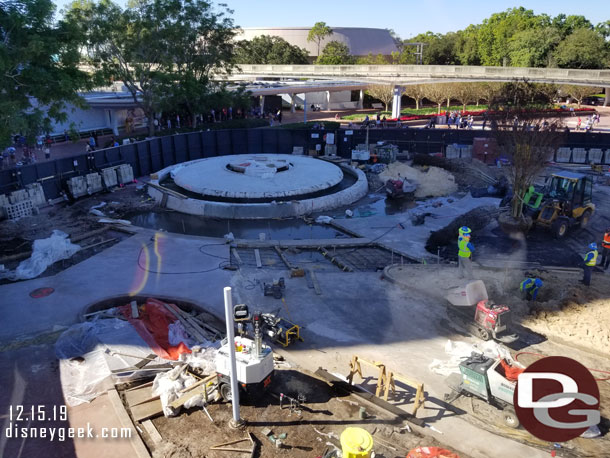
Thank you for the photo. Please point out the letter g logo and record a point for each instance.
(557, 399)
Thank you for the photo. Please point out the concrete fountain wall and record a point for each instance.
(256, 210)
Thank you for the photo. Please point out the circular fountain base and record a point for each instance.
(257, 186)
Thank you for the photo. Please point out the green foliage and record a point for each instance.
(318, 32)
(164, 51)
(269, 50)
(416, 112)
(39, 68)
(335, 53)
(533, 47)
(584, 48)
(370, 59)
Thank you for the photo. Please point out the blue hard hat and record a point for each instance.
(593, 246)
(464, 230)
(538, 282)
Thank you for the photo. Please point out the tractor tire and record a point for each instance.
(509, 418)
(560, 228)
(585, 218)
(225, 392)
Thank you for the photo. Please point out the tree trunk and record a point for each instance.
(417, 104)
(463, 107)
(439, 108)
(448, 102)
(516, 204)
(151, 124)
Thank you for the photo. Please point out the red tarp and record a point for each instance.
(431, 452)
(153, 326)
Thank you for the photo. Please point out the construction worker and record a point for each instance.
(606, 250)
(590, 260)
(465, 249)
(530, 286)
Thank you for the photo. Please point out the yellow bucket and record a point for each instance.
(356, 443)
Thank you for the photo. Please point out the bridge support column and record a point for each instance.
(327, 100)
(607, 99)
(293, 102)
(361, 100)
(396, 102)
(262, 104)
(113, 121)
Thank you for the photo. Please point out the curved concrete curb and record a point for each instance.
(289, 209)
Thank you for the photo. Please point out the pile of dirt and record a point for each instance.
(468, 173)
(446, 238)
(434, 182)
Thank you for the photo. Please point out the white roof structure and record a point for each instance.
(360, 40)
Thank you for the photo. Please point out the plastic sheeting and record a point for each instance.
(88, 352)
(44, 253)
(168, 385)
(459, 350)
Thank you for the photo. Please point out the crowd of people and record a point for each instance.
(10, 156)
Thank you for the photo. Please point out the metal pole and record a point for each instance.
(237, 421)
(305, 107)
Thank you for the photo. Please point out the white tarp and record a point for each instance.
(457, 351)
(44, 253)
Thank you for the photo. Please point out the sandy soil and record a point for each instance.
(434, 182)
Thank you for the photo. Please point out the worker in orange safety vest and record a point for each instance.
(606, 250)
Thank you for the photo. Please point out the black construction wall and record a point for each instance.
(150, 156)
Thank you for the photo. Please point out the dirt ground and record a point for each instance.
(316, 428)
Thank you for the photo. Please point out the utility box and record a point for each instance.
(124, 173)
(77, 186)
(36, 194)
(387, 153)
(109, 176)
(94, 183)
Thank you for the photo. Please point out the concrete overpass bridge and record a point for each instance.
(403, 75)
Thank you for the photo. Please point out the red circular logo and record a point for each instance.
(41, 292)
(557, 399)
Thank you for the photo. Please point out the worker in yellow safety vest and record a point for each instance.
(465, 249)
(606, 250)
(590, 260)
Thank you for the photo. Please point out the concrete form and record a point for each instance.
(286, 209)
(256, 176)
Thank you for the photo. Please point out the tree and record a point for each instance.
(438, 93)
(584, 48)
(488, 91)
(416, 91)
(466, 46)
(578, 93)
(439, 49)
(39, 68)
(317, 33)
(533, 47)
(464, 93)
(566, 25)
(528, 150)
(379, 59)
(335, 53)
(269, 50)
(382, 92)
(163, 51)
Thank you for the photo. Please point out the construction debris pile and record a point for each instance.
(433, 182)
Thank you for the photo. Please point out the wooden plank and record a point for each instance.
(139, 387)
(135, 440)
(147, 410)
(134, 309)
(188, 395)
(236, 256)
(257, 255)
(314, 279)
(195, 333)
(149, 427)
(283, 258)
(134, 398)
(308, 279)
(192, 322)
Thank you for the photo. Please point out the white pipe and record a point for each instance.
(231, 343)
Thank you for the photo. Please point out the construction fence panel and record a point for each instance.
(180, 148)
(563, 154)
(269, 141)
(239, 140)
(579, 155)
(155, 154)
(596, 155)
(143, 162)
(128, 154)
(285, 142)
(209, 143)
(607, 156)
(255, 141)
(193, 145)
(112, 156)
(167, 151)
(223, 142)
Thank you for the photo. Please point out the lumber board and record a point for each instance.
(135, 441)
(147, 410)
(149, 427)
(257, 255)
(137, 397)
(314, 280)
(187, 326)
(236, 256)
(191, 320)
(283, 257)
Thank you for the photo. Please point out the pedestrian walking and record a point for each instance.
(47, 152)
(465, 250)
(590, 260)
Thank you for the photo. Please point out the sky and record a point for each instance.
(406, 17)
